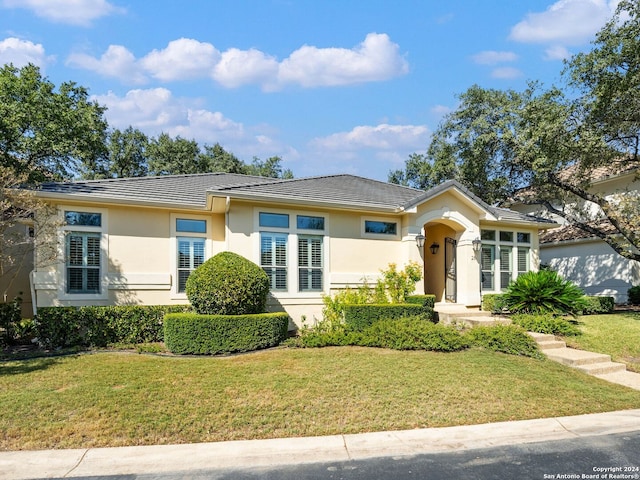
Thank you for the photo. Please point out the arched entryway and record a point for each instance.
(441, 260)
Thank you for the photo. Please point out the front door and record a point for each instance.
(450, 268)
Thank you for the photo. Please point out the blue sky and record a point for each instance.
(331, 86)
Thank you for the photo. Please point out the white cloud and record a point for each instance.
(506, 73)
(116, 62)
(491, 57)
(243, 67)
(380, 137)
(153, 110)
(441, 110)
(74, 12)
(182, 59)
(566, 21)
(22, 52)
(556, 53)
(375, 59)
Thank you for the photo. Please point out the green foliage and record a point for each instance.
(47, 133)
(543, 292)
(228, 284)
(407, 333)
(360, 317)
(546, 323)
(633, 295)
(493, 302)
(594, 305)
(189, 333)
(62, 327)
(400, 284)
(424, 300)
(510, 339)
(10, 318)
(333, 310)
(413, 333)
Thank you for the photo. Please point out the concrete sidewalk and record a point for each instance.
(337, 448)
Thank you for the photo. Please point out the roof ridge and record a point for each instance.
(140, 178)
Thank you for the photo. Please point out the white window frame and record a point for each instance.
(63, 232)
(175, 235)
(515, 248)
(293, 233)
(310, 267)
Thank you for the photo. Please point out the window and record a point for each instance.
(502, 252)
(487, 258)
(84, 219)
(309, 263)
(381, 228)
(274, 220)
(273, 259)
(305, 222)
(505, 267)
(190, 256)
(191, 226)
(82, 262)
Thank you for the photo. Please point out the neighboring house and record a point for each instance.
(581, 257)
(136, 240)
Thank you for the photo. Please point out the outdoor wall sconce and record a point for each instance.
(434, 248)
(420, 240)
(477, 243)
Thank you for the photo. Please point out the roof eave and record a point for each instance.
(72, 197)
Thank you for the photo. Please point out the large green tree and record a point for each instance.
(127, 153)
(45, 132)
(551, 142)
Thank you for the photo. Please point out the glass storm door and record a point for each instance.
(450, 267)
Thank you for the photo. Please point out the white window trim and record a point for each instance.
(62, 252)
(293, 290)
(381, 236)
(173, 250)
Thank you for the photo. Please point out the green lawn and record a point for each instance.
(113, 399)
(616, 335)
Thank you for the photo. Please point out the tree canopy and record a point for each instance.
(543, 146)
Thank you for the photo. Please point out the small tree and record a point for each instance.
(228, 284)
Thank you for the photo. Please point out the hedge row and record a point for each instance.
(359, 317)
(61, 327)
(191, 333)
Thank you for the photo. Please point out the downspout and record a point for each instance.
(32, 288)
(226, 222)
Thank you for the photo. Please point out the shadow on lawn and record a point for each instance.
(22, 366)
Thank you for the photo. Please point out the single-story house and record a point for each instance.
(136, 240)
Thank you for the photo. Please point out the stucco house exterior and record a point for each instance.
(581, 257)
(136, 240)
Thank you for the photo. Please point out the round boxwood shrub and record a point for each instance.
(228, 284)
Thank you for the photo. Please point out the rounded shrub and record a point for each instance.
(634, 295)
(228, 284)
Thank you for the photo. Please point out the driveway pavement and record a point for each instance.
(160, 459)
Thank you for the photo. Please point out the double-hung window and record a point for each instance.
(191, 248)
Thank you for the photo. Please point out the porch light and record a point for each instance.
(434, 248)
(477, 243)
(420, 240)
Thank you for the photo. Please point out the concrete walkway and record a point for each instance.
(596, 364)
(100, 462)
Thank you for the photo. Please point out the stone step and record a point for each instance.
(551, 344)
(542, 337)
(628, 379)
(602, 368)
(575, 358)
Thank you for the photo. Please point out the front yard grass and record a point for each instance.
(617, 335)
(116, 399)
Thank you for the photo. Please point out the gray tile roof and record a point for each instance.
(343, 191)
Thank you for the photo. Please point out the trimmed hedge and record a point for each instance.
(633, 295)
(358, 317)
(62, 327)
(191, 333)
(425, 300)
(598, 305)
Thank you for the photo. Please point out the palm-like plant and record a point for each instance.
(544, 292)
